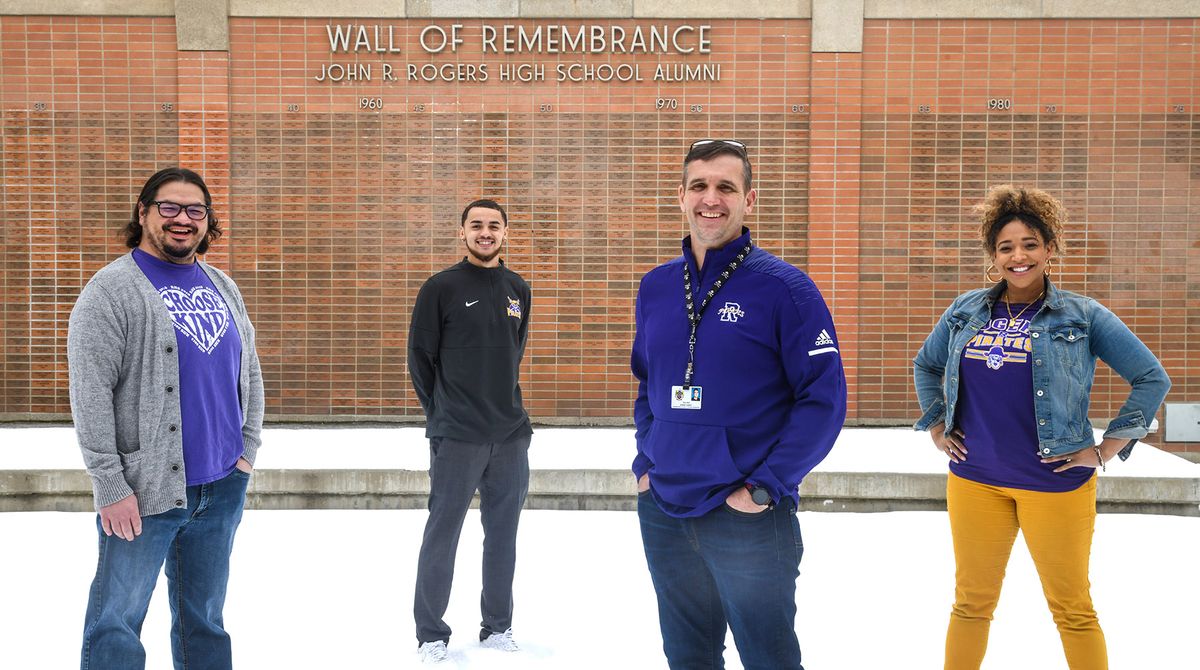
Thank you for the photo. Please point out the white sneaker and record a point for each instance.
(433, 652)
(500, 641)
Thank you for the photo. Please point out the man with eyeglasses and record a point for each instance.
(167, 398)
(467, 337)
(741, 394)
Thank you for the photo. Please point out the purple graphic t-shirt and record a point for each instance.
(995, 409)
(210, 358)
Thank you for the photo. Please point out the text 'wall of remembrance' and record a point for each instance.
(342, 150)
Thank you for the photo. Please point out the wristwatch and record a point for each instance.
(759, 495)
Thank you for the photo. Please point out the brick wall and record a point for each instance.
(83, 126)
(1088, 114)
(866, 165)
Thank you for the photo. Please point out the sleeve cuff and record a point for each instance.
(1130, 426)
(641, 465)
(933, 416)
(762, 476)
(109, 489)
(250, 451)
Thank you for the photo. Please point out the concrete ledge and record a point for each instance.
(70, 491)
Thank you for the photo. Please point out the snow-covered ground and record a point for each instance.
(333, 589)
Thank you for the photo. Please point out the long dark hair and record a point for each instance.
(133, 229)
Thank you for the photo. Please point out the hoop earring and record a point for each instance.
(987, 274)
(1048, 269)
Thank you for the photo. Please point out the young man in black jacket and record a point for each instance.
(469, 327)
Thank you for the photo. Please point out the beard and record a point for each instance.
(185, 251)
(172, 249)
(485, 258)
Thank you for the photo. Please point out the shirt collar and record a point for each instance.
(468, 264)
(164, 266)
(717, 257)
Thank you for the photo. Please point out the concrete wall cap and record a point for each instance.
(464, 8)
(1110, 9)
(951, 9)
(358, 9)
(837, 26)
(576, 9)
(88, 7)
(746, 9)
(666, 9)
(1028, 9)
(202, 25)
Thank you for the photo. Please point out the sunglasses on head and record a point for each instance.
(733, 143)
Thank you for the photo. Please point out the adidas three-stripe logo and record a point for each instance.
(823, 344)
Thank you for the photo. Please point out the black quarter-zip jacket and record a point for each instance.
(465, 344)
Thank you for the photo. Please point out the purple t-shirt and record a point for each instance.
(210, 359)
(995, 409)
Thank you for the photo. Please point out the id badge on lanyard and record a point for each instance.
(687, 396)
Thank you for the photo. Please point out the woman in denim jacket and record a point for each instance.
(1004, 382)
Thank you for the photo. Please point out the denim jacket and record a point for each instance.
(1067, 335)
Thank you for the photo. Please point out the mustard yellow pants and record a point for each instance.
(1058, 530)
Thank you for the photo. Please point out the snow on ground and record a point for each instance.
(333, 588)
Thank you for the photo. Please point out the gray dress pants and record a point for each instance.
(500, 472)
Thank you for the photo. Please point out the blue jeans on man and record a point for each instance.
(195, 543)
(725, 569)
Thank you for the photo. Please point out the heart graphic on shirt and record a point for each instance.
(201, 314)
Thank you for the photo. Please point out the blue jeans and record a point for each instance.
(726, 568)
(195, 544)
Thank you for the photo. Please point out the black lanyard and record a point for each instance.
(695, 314)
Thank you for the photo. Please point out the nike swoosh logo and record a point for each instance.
(472, 303)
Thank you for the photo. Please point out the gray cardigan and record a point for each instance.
(124, 385)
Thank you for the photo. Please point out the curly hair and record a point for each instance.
(1034, 207)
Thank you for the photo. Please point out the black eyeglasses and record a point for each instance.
(170, 210)
(733, 143)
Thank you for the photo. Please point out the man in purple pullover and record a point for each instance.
(741, 393)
